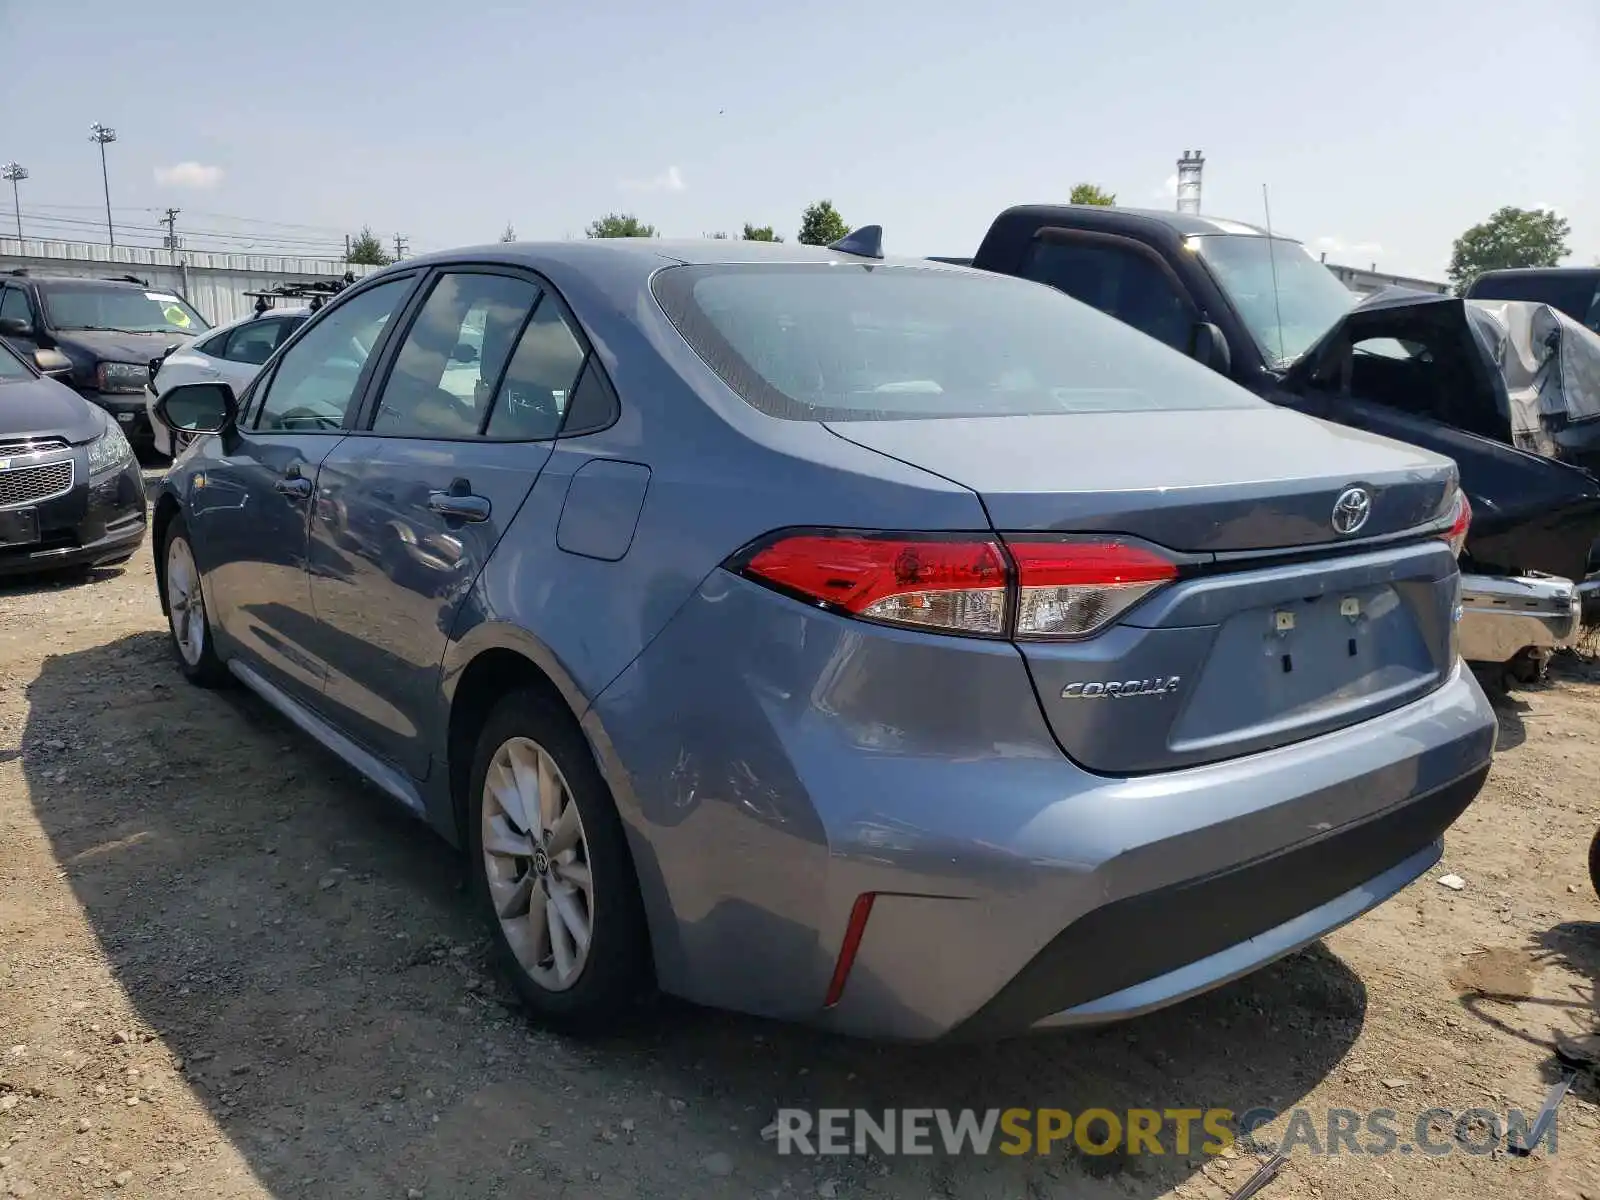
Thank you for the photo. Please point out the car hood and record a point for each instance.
(40, 408)
(109, 345)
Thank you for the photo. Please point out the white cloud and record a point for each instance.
(1370, 251)
(670, 180)
(189, 175)
(1167, 190)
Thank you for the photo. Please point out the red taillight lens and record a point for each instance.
(1460, 522)
(955, 585)
(1073, 588)
(1063, 588)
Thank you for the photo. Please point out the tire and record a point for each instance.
(564, 983)
(1594, 862)
(193, 647)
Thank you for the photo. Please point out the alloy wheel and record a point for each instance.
(186, 604)
(536, 860)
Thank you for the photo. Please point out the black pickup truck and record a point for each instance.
(1411, 366)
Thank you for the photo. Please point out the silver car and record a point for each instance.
(886, 645)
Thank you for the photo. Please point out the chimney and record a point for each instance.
(1189, 168)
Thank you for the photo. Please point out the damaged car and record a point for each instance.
(1504, 389)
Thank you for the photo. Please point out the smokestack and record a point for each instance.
(1189, 168)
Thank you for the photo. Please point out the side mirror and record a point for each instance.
(198, 408)
(53, 363)
(1210, 348)
(15, 327)
(464, 352)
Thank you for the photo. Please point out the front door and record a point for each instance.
(251, 513)
(410, 508)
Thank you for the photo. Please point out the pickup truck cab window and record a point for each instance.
(1120, 280)
(1286, 298)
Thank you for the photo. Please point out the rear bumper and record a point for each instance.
(1503, 616)
(768, 786)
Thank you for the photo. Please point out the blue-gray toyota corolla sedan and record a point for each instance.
(868, 642)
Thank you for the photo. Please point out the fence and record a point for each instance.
(214, 283)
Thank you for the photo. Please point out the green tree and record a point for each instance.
(759, 233)
(716, 237)
(1092, 193)
(821, 224)
(510, 234)
(366, 249)
(1512, 237)
(619, 225)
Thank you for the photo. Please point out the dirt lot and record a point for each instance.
(228, 968)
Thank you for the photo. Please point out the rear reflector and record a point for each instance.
(847, 950)
(1072, 588)
(1460, 522)
(953, 585)
(1062, 588)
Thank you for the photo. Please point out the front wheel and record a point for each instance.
(187, 620)
(551, 869)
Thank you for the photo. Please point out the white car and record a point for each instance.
(231, 354)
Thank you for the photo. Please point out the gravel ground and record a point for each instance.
(230, 969)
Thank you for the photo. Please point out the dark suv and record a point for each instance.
(1572, 290)
(98, 335)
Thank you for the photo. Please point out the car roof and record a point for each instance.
(650, 253)
(1537, 272)
(26, 276)
(1183, 224)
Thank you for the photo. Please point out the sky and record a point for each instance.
(1382, 129)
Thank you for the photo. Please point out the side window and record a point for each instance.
(312, 387)
(539, 382)
(1592, 320)
(453, 356)
(255, 342)
(14, 305)
(215, 345)
(1122, 283)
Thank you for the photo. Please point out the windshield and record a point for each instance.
(1286, 320)
(11, 366)
(129, 310)
(819, 341)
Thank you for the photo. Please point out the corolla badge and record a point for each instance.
(1161, 685)
(1351, 510)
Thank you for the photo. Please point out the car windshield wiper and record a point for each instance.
(106, 329)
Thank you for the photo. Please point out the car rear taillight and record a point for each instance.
(957, 585)
(1460, 522)
(1065, 588)
(1072, 588)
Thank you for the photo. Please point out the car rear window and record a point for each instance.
(842, 341)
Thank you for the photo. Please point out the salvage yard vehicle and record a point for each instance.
(1408, 365)
(800, 601)
(97, 335)
(1574, 291)
(71, 494)
(230, 353)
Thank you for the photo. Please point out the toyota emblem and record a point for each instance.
(1351, 510)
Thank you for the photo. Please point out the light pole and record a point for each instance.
(103, 134)
(15, 172)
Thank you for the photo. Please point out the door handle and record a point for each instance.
(297, 486)
(462, 506)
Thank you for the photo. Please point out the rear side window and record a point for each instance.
(1576, 293)
(1122, 282)
(833, 341)
(255, 342)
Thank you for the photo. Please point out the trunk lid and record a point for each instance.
(1263, 640)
